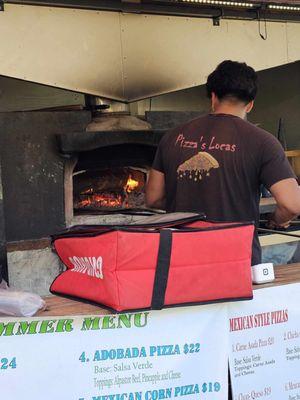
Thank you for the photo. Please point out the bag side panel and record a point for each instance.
(91, 264)
(210, 265)
(136, 264)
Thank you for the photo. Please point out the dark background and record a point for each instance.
(3, 261)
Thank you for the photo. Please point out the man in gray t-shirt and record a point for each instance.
(215, 164)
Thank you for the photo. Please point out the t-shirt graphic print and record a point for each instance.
(197, 166)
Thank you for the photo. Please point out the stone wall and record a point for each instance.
(33, 171)
(33, 270)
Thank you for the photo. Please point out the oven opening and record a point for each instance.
(109, 189)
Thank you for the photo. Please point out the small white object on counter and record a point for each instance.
(19, 304)
(263, 273)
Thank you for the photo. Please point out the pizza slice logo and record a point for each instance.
(197, 166)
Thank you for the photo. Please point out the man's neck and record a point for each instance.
(226, 109)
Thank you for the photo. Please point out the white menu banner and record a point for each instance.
(265, 345)
(176, 353)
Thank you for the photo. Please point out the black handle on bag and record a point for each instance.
(162, 269)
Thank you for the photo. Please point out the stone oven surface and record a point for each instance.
(33, 170)
(107, 170)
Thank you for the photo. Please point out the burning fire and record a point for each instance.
(109, 199)
(105, 200)
(131, 185)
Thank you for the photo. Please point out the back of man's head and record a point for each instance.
(233, 81)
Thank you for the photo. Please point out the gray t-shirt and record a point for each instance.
(215, 164)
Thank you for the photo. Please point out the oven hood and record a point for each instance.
(127, 57)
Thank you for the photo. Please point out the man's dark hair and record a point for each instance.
(233, 80)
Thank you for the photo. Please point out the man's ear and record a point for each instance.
(249, 106)
(214, 100)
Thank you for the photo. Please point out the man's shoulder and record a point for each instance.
(185, 127)
(255, 130)
(244, 129)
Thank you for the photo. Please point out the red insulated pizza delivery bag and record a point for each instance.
(188, 261)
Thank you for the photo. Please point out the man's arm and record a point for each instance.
(277, 175)
(287, 195)
(155, 190)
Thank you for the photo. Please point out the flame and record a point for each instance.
(131, 185)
